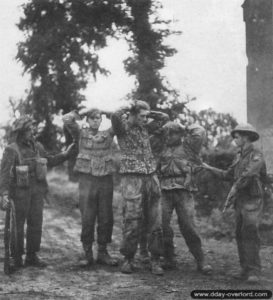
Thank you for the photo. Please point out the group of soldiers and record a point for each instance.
(157, 165)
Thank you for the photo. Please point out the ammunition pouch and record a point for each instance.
(41, 168)
(83, 163)
(22, 176)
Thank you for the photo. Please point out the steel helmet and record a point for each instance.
(22, 123)
(197, 129)
(174, 127)
(246, 129)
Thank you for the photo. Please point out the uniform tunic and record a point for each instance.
(176, 168)
(248, 173)
(28, 199)
(140, 186)
(95, 166)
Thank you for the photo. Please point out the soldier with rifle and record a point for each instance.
(10, 237)
(248, 173)
(22, 189)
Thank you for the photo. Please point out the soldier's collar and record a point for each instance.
(135, 125)
(29, 143)
(246, 150)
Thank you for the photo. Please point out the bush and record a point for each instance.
(218, 225)
(212, 191)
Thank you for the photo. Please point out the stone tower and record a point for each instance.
(258, 15)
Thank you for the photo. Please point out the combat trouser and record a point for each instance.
(183, 202)
(143, 238)
(96, 199)
(29, 203)
(248, 215)
(141, 195)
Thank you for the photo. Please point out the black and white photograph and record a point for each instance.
(136, 149)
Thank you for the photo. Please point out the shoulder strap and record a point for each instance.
(37, 149)
(15, 147)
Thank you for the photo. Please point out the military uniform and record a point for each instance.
(140, 187)
(95, 167)
(177, 165)
(23, 178)
(247, 172)
(156, 135)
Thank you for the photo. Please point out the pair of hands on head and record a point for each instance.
(80, 114)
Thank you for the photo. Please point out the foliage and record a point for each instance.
(17, 107)
(218, 225)
(60, 50)
(146, 33)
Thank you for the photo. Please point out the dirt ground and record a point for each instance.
(64, 279)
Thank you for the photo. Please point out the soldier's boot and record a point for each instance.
(104, 257)
(144, 256)
(202, 266)
(19, 261)
(243, 275)
(205, 269)
(252, 277)
(156, 268)
(170, 262)
(12, 265)
(89, 259)
(127, 266)
(15, 263)
(32, 259)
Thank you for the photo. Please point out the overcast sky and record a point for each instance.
(210, 63)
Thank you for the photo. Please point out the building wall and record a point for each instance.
(259, 50)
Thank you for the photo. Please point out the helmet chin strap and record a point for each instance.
(246, 144)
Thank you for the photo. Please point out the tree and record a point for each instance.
(60, 51)
(146, 33)
(62, 38)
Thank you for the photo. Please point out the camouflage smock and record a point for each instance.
(134, 142)
(178, 164)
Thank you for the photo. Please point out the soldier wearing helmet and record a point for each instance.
(177, 163)
(23, 179)
(247, 173)
(22, 123)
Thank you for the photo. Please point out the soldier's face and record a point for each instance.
(141, 118)
(239, 139)
(29, 132)
(94, 121)
(173, 138)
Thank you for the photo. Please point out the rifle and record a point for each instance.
(7, 269)
(10, 238)
(230, 197)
